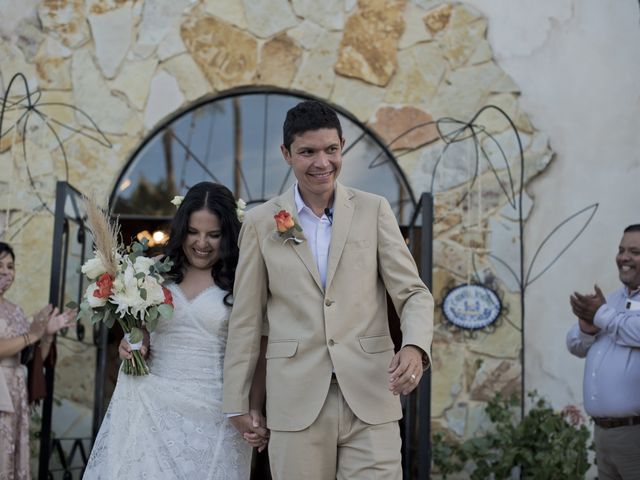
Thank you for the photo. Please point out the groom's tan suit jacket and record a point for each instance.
(314, 330)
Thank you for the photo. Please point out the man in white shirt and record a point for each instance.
(608, 335)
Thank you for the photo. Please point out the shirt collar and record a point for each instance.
(631, 293)
(300, 205)
(298, 199)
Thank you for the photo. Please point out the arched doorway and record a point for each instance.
(234, 139)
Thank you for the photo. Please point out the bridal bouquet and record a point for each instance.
(126, 286)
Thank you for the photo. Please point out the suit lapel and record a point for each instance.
(342, 215)
(287, 202)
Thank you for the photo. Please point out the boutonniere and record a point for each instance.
(287, 227)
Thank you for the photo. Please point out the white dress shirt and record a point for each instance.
(611, 385)
(317, 231)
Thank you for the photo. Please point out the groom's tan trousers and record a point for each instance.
(337, 446)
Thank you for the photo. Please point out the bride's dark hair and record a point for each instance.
(219, 200)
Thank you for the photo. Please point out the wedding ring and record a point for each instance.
(413, 377)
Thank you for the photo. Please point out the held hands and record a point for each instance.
(405, 370)
(585, 307)
(124, 349)
(253, 428)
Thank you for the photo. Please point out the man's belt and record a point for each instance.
(613, 422)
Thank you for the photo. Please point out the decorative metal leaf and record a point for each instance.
(575, 223)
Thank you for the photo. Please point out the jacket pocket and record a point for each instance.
(281, 349)
(357, 244)
(376, 343)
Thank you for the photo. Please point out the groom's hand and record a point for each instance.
(255, 439)
(405, 370)
(253, 428)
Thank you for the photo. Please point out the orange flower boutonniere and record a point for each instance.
(287, 227)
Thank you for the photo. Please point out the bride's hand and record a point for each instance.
(124, 349)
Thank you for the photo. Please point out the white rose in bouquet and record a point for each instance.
(92, 300)
(143, 264)
(155, 294)
(93, 268)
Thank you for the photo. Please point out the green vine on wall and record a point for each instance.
(544, 445)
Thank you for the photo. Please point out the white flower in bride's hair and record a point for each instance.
(177, 200)
(240, 207)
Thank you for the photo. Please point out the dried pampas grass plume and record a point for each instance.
(106, 235)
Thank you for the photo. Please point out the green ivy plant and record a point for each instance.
(544, 445)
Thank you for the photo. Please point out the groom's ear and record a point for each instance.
(286, 154)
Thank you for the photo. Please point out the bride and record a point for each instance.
(169, 424)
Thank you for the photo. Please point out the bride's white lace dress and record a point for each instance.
(169, 424)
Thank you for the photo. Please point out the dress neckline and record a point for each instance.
(197, 295)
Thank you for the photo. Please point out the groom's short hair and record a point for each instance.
(306, 116)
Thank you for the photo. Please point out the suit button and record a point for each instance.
(331, 342)
(328, 302)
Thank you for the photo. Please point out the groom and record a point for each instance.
(332, 377)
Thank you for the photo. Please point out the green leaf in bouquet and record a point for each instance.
(137, 247)
(143, 293)
(151, 320)
(152, 313)
(85, 311)
(71, 305)
(136, 335)
(140, 275)
(109, 318)
(165, 310)
(165, 265)
(96, 317)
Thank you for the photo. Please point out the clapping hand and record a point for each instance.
(585, 307)
(39, 325)
(57, 320)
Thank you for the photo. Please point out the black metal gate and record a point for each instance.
(416, 422)
(60, 456)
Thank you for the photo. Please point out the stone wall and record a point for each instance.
(392, 64)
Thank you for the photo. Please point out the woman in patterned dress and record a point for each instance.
(15, 334)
